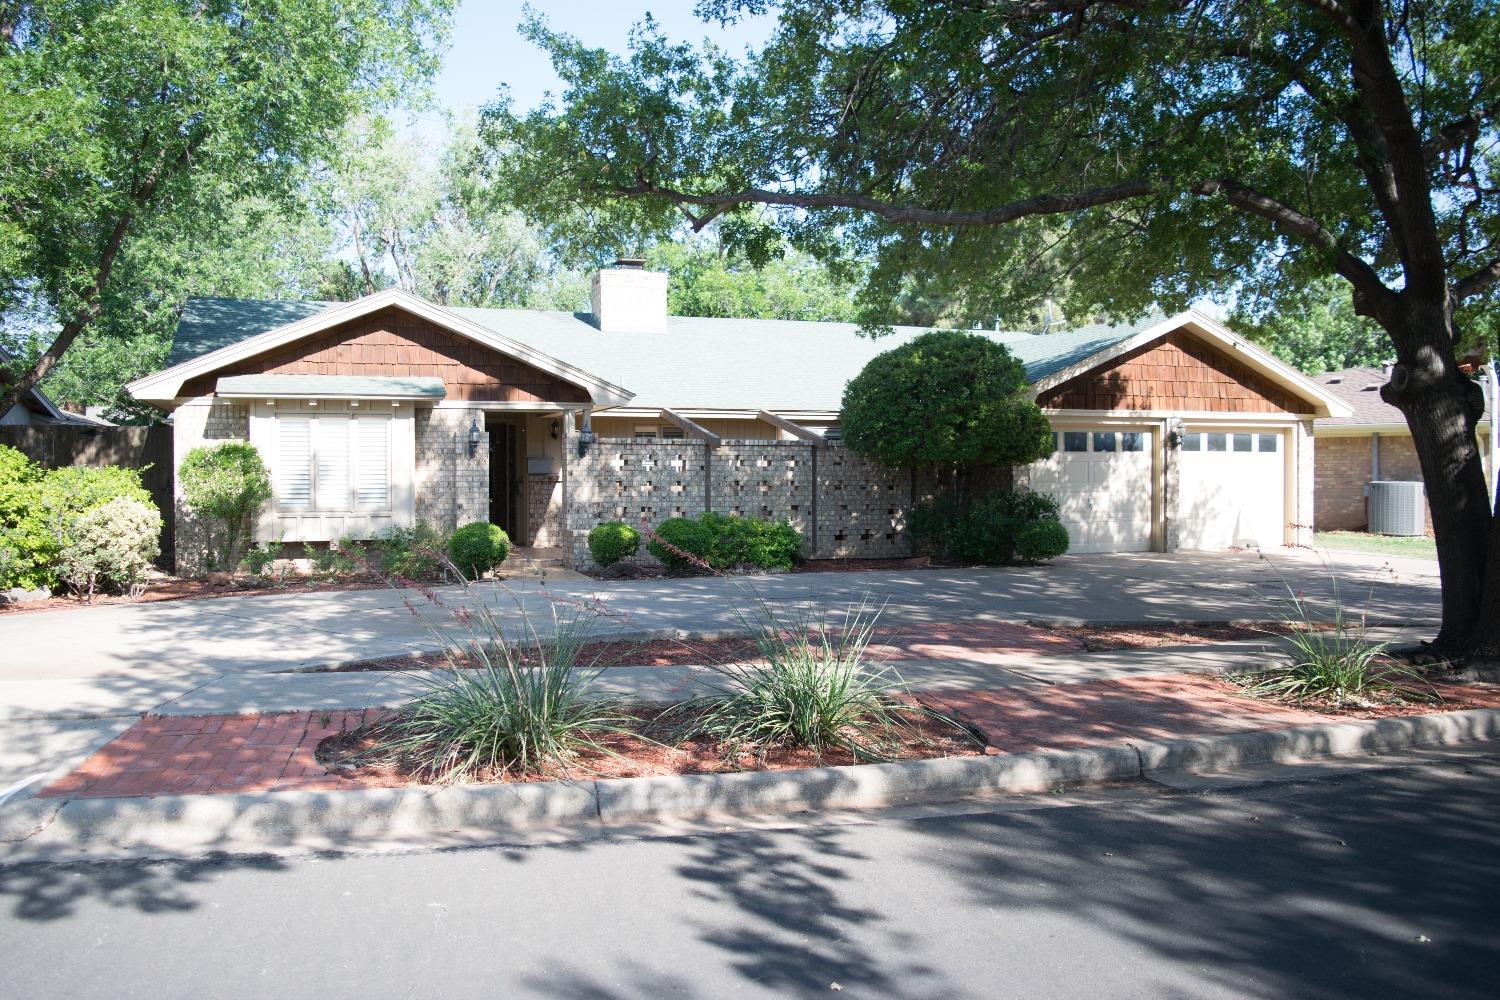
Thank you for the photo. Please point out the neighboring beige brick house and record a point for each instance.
(1170, 431)
(1372, 443)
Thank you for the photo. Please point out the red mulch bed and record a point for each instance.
(1100, 638)
(179, 589)
(649, 748)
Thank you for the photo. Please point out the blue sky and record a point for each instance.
(486, 49)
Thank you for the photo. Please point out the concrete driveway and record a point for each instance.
(124, 645)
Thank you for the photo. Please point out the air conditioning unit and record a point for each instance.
(1396, 508)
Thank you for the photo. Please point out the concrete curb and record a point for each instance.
(339, 819)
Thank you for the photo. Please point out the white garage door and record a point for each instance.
(1102, 482)
(1233, 489)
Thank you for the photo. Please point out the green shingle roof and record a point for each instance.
(740, 364)
(352, 386)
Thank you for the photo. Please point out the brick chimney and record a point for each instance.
(627, 298)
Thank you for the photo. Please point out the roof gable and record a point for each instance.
(214, 318)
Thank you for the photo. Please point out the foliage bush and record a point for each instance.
(478, 548)
(261, 558)
(612, 541)
(505, 707)
(110, 545)
(815, 689)
(414, 553)
(726, 542)
(1041, 540)
(38, 508)
(682, 535)
(336, 558)
(991, 530)
(226, 485)
(945, 398)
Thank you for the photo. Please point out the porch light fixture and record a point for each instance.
(554, 429)
(473, 437)
(1174, 439)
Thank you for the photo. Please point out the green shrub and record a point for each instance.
(682, 535)
(413, 553)
(817, 689)
(506, 707)
(337, 558)
(727, 542)
(38, 508)
(989, 532)
(111, 544)
(260, 559)
(26, 545)
(1038, 541)
(612, 541)
(478, 548)
(931, 523)
(226, 485)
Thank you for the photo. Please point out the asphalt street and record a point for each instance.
(1377, 879)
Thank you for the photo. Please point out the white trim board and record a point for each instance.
(165, 386)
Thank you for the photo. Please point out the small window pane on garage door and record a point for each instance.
(1102, 481)
(1232, 490)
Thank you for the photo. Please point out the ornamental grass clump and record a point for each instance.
(816, 690)
(1333, 661)
(510, 703)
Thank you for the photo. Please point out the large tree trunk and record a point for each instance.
(1442, 408)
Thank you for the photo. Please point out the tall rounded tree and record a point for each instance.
(949, 401)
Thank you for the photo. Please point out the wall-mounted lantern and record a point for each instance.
(554, 429)
(586, 436)
(1174, 438)
(474, 437)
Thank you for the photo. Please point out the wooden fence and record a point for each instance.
(148, 449)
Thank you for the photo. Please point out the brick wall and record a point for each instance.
(453, 488)
(1343, 469)
(544, 509)
(850, 507)
(204, 421)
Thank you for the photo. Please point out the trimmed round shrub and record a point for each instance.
(226, 485)
(478, 548)
(110, 545)
(989, 531)
(683, 534)
(612, 541)
(1041, 540)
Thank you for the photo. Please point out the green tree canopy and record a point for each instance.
(1129, 152)
(136, 126)
(945, 399)
(1314, 328)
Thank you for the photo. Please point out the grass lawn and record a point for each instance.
(1417, 547)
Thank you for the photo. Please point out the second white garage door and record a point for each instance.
(1102, 481)
(1233, 489)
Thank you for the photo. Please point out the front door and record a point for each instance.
(507, 479)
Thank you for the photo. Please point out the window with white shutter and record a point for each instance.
(372, 462)
(294, 462)
(331, 465)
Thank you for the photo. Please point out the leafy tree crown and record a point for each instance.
(946, 397)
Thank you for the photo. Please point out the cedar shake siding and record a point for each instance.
(1178, 372)
(392, 342)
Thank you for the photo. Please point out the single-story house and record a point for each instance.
(1371, 443)
(1172, 432)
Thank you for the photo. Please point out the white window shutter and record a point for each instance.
(293, 462)
(332, 463)
(372, 464)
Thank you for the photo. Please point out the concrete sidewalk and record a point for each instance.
(299, 630)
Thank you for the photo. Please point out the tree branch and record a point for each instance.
(1047, 204)
(1362, 276)
(1477, 281)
